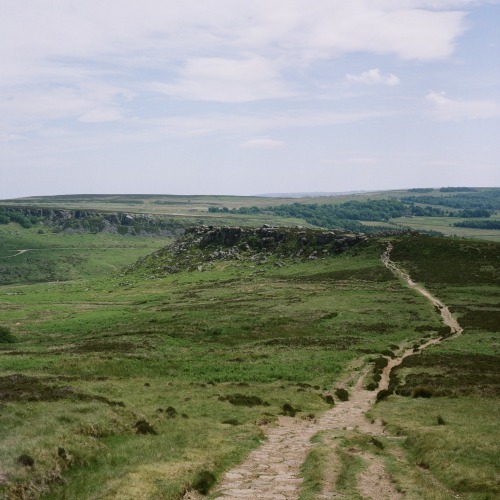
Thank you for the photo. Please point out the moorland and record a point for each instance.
(149, 343)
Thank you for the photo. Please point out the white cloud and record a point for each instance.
(374, 77)
(263, 143)
(87, 102)
(61, 62)
(36, 39)
(248, 69)
(445, 109)
(226, 80)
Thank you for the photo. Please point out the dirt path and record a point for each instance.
(18, 252)
(272, 471)
(448, 318)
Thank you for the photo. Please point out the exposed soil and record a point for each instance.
(374, 483)
(272, 471)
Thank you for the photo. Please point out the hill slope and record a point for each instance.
(159, 379)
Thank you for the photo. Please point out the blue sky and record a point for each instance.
(247, 97)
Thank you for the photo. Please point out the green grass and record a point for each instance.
(52, 256)
(461, 375)
(93, 357)
(313, 471)
(194, 338)
(463, 453)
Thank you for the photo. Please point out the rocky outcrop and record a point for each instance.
(274, 238)
(272, 246)
(266, 236)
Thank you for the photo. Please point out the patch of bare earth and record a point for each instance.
(272, 471)
(374, 483)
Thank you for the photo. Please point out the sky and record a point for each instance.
(247, 97)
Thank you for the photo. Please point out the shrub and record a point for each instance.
(378, 366)
(328, 399)
(244, 400)
(422, 392)
(383, 394)
(289, 410)
(203, 481)
(26, 460)
(376, 442)
(342, 394)
(389, 353)
(6, 336)
(171, 412)
(21, 219)
(143, 427)
(440, 420)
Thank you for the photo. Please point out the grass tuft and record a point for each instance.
(289, 410)
(377, 443)
(203, 481)
(6, 336)
(244, 400)
(342, 394)
(143, 427)
(383, 394)
(440, 420)
(25, 460)
(422, 392)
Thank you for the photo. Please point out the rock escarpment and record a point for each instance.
(204, 245)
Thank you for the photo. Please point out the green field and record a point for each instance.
(130, 381)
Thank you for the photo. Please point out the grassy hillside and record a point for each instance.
(38, 254)
(142, 383)
(452, 432)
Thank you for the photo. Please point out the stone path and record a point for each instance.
(272, 471)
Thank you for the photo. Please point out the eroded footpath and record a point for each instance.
(272, 471)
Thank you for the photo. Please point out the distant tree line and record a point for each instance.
(488, 199)
(480, 204)
(457, 189)
(344, 216)
(421, 190)
(479, 224)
